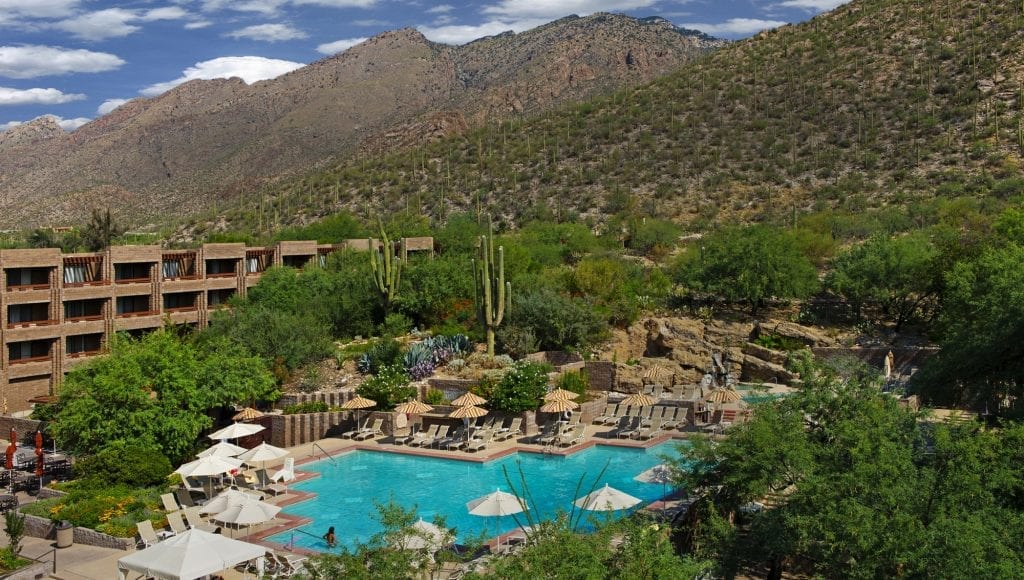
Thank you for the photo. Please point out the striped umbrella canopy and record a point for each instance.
(413, 407)
(469, 399)
(358, 402)
(467, 412)
(559, 406)
(724, 396)
(247, 414)
(560, 394)
(638, 400)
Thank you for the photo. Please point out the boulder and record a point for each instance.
(773, 356)
(812, 337)
(758, 370)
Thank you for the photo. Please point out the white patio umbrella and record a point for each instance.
(226, 499)
(263, 453)
(606, 499)
(248, 512)
(222, 449)
(209, 466)
(497, 504)
(660, 473)
(189, 555)
(236, 430)
(424, 535)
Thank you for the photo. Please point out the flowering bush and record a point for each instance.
(522, 387)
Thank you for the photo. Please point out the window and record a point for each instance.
(79, 309)
(132, 304)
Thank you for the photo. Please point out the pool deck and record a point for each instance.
(333, 447)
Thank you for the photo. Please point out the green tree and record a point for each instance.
(981, 359)
(857, 487)
(751, 264)
(101, 230)
(388, 387)
(897, 275)
(155, 391)
(557, 322)
(124, 462)
(521, 388)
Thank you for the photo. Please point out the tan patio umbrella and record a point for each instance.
(413, 407)
(467, 412)
(247, 414)
(559, 406)
(469, 399)
(606, 499)
(655, 374)
(638, 400)
(560, 394)
(724, 396)
(358, 402)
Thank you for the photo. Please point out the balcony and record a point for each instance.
(31, 323)
(83, 345)
(28, 315)
(84, 353)
(84, 310)
(30, 359)
(179, 267)
(133, 273)
(84, 271)
(138, 313)
(22, 279)
(222, 268)
(27, 352)
(132, 280)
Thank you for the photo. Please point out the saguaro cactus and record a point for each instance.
(387, 270)
(493, 294)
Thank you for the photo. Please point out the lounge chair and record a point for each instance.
(725, 420)
(454, 441)
(196, 522)
(657, 412)
(478, 444)
(286, 473)
(570, 437)
(280, 565)
(442, 433)
(358, 430)
(170, 504)
(147, 535)
(652, 430)
(609, 414)
(553, 435)
(511, 431)
(405, 439)
(176, 524)
(547, 430)
(424, 436)
(370, 432)
(628, 427)
(184, 497)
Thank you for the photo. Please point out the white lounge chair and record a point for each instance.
(286, 473)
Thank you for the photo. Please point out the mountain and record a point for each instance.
(177, 153)
(878, 102)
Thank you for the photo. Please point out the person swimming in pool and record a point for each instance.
(331, 539)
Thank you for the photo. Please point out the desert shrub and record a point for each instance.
(516, 341)
(120, 462)
(383, 352)
(388, 387)
(434, 397)
(395, 324)
(307, 407)
(521, 388)
(574, 381)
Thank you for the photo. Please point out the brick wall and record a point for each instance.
(600, 374)
(25, 428)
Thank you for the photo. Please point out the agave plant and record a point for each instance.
(364, 364)
(418, 353)
(421, 370)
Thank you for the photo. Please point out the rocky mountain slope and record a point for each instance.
(875, 103)
(177, 153)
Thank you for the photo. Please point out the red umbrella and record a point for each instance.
(39, 455)
(11, 450)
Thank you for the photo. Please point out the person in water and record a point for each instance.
(329, 536)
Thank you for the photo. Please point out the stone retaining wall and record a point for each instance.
(32, 571)
(25, 428)
(38, 527)
(600, 375)
(332, 398)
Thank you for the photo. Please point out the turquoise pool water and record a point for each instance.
(347, 489)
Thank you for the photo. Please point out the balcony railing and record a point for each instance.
(23, 287)
(83, 318)
(137, 313)
(182, 308)
(222, 275)
(87, 283)
(185, 277)
(84, 353)
(28, 323)
(29, 359)
(132, 280)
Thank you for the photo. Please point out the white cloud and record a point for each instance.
(195, 25)
(463, 33)
(440, 9)
(116, 22)
(165, 13)
(337, 3)
(100, 25)
(368, 22)
(71, 124)
(261, 6)
(25, 62)
(734, 26)
(38, 8)
(522, 9)
(248, 68)
(339, 45)
(269, 33)
(109, 105)
(10, 96)
(66, 124)
(813, 5)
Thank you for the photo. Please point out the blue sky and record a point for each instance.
(79, 59)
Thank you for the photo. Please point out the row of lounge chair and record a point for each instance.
(177, 522)
(668, 417)
(476, 438)
(638, 428)
(366, 431)
(560, 433)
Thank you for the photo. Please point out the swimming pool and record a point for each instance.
(347, 488)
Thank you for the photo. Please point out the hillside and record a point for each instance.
(177, 153)
(878, 102)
